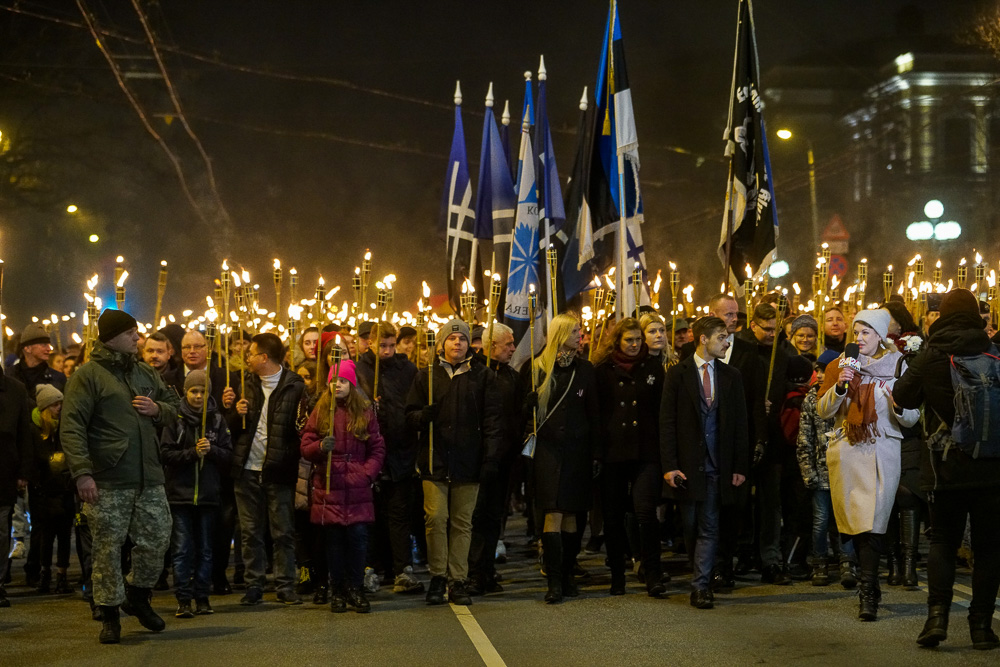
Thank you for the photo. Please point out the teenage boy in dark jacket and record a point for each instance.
(193, 466)
(398, 490)
(464, 414)
(958, 485)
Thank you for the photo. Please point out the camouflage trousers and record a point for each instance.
(119, 513)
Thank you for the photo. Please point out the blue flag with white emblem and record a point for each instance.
(523, 276)
(551, 213)
(458, 216)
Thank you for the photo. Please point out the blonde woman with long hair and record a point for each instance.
(566, 448)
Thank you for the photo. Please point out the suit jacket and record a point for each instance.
(682, 434)
(753, 372)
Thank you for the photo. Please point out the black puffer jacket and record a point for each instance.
(190, 479)
(395, 378)
(630, 409)
(467, 429)
(927, 382)
(32, 377)
(281, 457)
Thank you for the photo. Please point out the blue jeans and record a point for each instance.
(261, 505)
(823, 524)
(346, 549)
(701, 519)
(191, 545)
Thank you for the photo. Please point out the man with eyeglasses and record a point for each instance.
(194, 354)
(768, 469)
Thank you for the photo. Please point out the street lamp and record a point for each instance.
(785, 135)
(71, 208)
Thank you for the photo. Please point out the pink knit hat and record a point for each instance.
(347, 372)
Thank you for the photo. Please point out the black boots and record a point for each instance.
(936, 628)
(436, 591)
(868, 599)
(111, 627)
(137, 604)
(552, 554)
(45, 581)
(570, 548)
(909, 529)
(356, 598)
(983, 637)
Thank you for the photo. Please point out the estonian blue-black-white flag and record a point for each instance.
(551, 213)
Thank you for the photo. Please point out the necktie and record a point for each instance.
(706, 385)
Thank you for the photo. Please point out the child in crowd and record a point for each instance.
(347, 458)
(193, 465)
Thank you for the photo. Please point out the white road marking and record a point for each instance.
(479, 639)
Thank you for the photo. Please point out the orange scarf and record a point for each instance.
(861, 424)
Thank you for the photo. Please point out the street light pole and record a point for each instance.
(812, 192)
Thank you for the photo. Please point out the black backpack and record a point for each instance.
(975, 380)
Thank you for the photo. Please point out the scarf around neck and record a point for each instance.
(861, 424)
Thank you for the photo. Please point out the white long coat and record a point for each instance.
(864, 476)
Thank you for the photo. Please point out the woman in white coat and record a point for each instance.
(864, 452)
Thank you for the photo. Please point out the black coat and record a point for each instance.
(281, 457)
(927, 382)
(395, 378)
(682, 435)
(183, 468)
(630, 410)
(772, 435)
(753, 372)
(467, 428)
(53, 491)
(568, 441)
(32, 377)
(512, 392)
(16, 461)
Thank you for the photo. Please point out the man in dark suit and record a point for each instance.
(704, 446)
(736, 522)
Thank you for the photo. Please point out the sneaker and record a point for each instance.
(184, 609)
(501, 553)
(19, 550)
(290, 598)
(457, 594)
(406, 582)
(372, 581)
(253, 596)
(203, 607)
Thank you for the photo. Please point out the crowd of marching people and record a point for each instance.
(764, 448)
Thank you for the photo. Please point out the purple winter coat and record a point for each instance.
(354, 465)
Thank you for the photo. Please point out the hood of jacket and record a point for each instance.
(961, 333)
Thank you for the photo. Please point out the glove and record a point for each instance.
(429, 413)
(531, 400)
(597, 469)
(758, 452)
(327, 444)
(489, 472)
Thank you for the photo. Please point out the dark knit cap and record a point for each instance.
(799, 369)
(196, 379)
(959, 301)
(406, 332)
(113, 322)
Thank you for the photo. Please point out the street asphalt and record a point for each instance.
(756, 624)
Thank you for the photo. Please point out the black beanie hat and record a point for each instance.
(113, 322)
(799, 369)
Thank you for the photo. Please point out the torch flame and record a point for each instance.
(426, 290)
(321, 281)
(225, 265)
(119, 259)
(246, 276)
(979, 258)
(121, 281)
(277, 263)
(962, 263)
(368, 256)
(163, 263)
(673, 267)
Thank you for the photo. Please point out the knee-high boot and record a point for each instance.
(552, 554)
(909, 528)
(570, 549)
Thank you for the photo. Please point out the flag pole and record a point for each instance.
(337, 354)
(430, 397)
(474, 255)
(727, 219)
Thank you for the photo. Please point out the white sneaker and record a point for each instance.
(19, 550)
(501, 553)
(372, 581)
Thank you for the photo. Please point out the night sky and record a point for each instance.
(312, 172)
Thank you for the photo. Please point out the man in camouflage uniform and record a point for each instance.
(111, 411)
